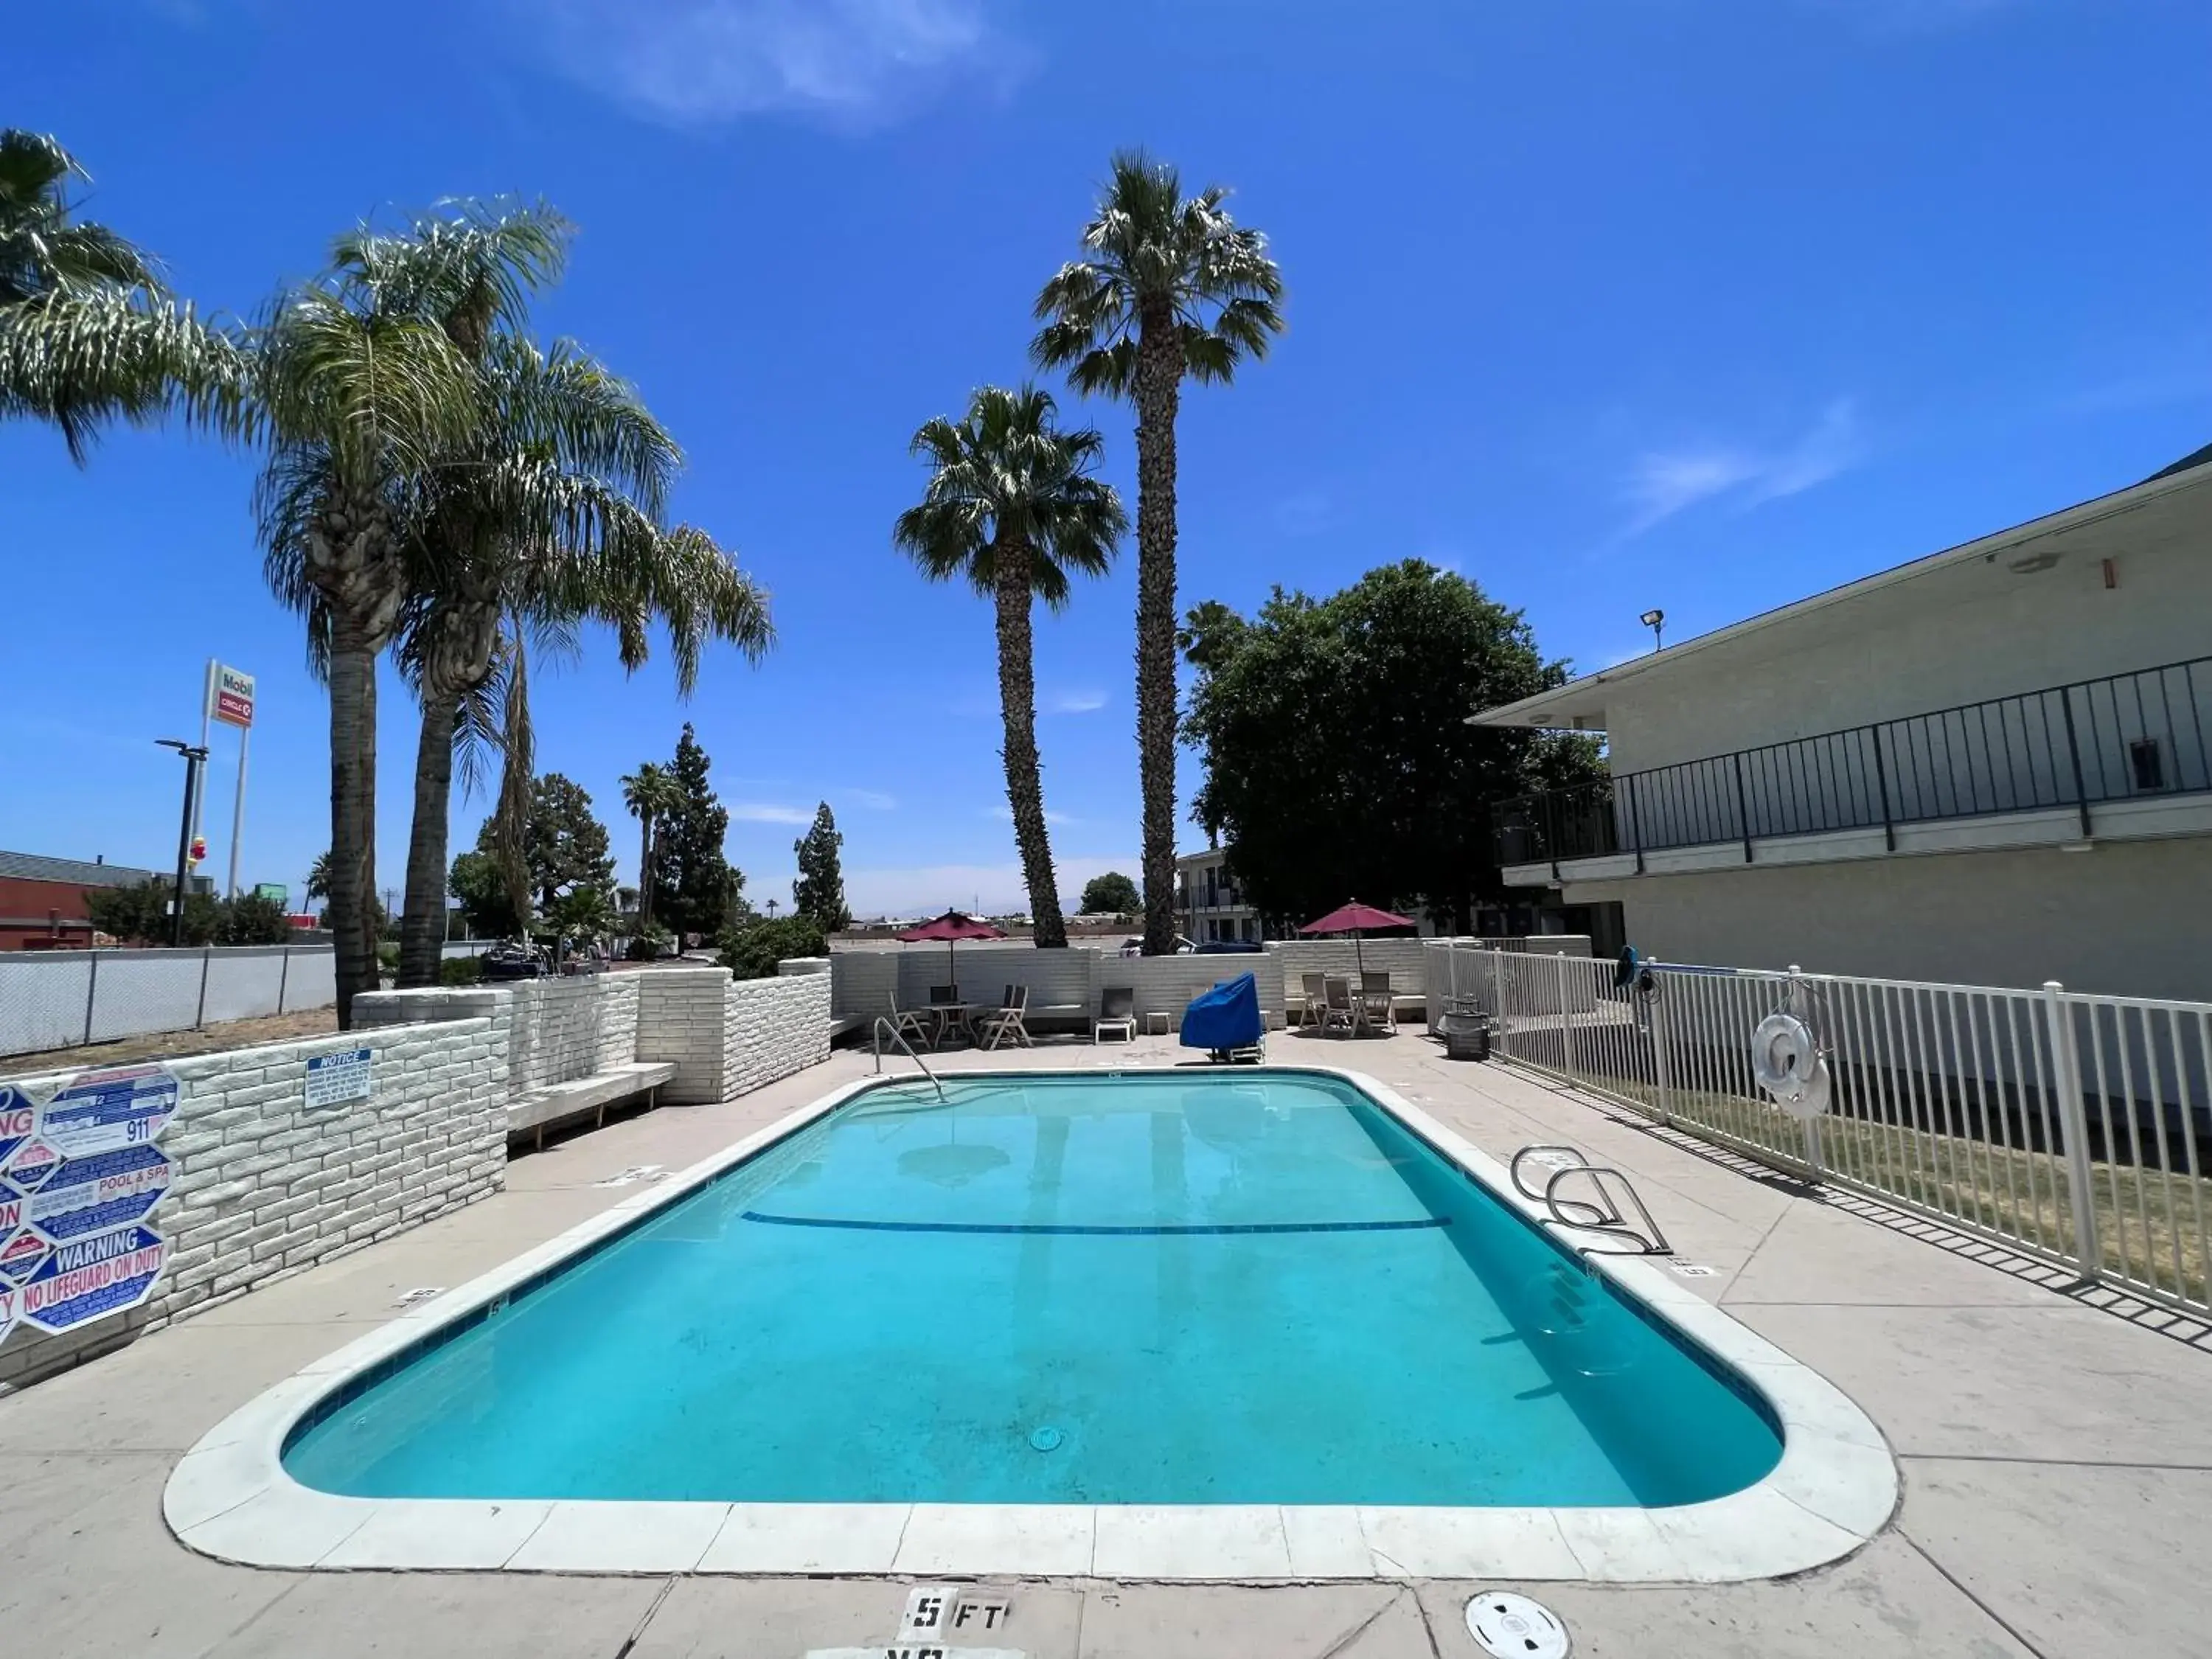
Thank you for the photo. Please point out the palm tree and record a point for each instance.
(1170, 286)
(650, 794)
(1011, 506)
(362, 397)
(546, 518)
(89, 334)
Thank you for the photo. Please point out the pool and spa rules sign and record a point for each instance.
(79, 1176)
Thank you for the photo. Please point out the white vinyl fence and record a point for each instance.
(60, 999)
(2074, 1127)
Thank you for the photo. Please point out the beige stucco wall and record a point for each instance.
(1958, 635)
(2127, 918)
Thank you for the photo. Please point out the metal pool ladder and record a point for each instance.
(1613, 1201)
(875, 1041)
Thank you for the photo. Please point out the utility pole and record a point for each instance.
(195, 757)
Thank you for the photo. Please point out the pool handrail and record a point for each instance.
(875, 1041)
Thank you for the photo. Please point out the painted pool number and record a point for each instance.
(942, 1614)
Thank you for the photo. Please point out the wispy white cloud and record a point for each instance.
(874, 799)
(699, 61)
(1664, 483)
(756, 812)
(1077, 703)
(1004, 814)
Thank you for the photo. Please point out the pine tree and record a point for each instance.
(694, 886)
(820, 892)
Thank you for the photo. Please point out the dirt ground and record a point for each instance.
(165, 1045)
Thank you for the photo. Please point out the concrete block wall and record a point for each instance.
(264, 1187)
(684, 1016)
(566, 1029)
(771, 1028)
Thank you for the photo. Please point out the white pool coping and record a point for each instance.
(1834, 1488)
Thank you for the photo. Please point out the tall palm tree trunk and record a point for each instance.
(1017, 705)
(1159, 391)
(353, 811)
(645, 871)
(423, 923)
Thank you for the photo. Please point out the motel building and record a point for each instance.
(1991, 765)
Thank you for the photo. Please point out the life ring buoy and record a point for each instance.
(1786, 1062)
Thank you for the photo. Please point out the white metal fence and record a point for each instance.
(2075, 1127)
(59, 998)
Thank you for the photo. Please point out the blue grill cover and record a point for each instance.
(1227, 1017)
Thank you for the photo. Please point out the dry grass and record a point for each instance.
(170, 1045)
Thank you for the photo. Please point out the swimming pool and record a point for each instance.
(1281, 1293)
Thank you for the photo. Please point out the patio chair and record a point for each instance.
(1117, 1012)
(1004, 1021)
(1316, 994)
(909, 1024)
(1339, 1012)
(1375, 999)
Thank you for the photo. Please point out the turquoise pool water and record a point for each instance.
(1158, 1288)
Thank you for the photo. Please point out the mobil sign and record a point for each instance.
(88, 1279)
(230, 696)
(97, 1194)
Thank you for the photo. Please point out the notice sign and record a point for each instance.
(98, 1194)
(335, 1080)
(100, 1111)
(233, 696)
(88, 1279)
(32, 1164)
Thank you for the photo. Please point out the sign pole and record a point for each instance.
(238, 808)
(207, 728)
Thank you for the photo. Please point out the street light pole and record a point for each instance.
(195, 757)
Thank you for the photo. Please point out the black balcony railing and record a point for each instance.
(2120, 737)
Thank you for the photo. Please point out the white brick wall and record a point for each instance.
(557, 1030)
(771, 1028)
(682, 1017)
(264, 1187)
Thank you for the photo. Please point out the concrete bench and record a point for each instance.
(561, 1102)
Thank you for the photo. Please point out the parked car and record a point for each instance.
(513, 961)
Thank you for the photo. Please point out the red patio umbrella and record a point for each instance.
(1355, 918)
(953, 926)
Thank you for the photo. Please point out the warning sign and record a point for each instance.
(18, 1120)
(20, 1255)
(89, 1278)
(33, 1162)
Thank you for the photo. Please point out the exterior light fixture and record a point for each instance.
(1655, 621)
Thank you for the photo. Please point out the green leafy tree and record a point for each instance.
(820, 892)
(1010, 507)
(695, 888)
(487, 898)
(249, 919)
(651, 793)
(566, 845)
(752, 949)
(88, 333)
(1112, 893)
(1170, 286)
(546, 518)
(1338, 758)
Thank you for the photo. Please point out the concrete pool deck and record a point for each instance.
(2057, 1460)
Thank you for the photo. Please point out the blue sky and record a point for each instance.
(1704, 304)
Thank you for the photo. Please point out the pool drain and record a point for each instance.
(1514, 1627)
(1045, 1438)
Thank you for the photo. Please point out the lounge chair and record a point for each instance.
(1375, 1002)
(1117, 1012)
(1339, 1012)
(1006, 1020)
(1316, 996)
